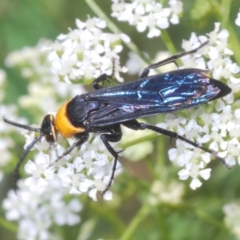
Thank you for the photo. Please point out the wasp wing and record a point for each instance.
(171, 91)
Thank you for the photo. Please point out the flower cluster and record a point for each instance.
(6, 141)
(147, 14)
(219, 129)
(36, 211)
(170, 193)
(44, 89)
(86, 52)
(87, 169)
(232, 218)
(84, 170)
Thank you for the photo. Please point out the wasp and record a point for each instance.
(105, 109)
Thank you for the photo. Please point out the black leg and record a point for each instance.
(114, 136)
(103, 77)
(82, 138)
(135, 125)
(169, 60)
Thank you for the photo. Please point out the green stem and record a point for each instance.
(198, 212)
(139, 217)
(207, 218)
(225, 12)
(163, 224)
(161, 158)
(148, 137)
(168, 41)
(234, 41)
(112, 218)
(98, 11)
(8, 225)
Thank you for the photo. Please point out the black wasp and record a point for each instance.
(106, 109)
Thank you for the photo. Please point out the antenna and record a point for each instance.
(26, 151)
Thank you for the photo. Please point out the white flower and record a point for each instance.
(38, 211)
(171, 193)
(64, 214)
(6, 140)
(181, 154)
(194, 172)
(44, 87)
(39, 171)
(216, 130)
(221, 66)
(232, 217)
(134, 64)
(147, 14)
(86, 52)
(81, 171)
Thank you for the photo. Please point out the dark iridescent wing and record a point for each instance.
(160, 93)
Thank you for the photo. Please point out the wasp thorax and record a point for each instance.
(63, 124)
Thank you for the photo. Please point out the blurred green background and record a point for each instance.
(23, 23)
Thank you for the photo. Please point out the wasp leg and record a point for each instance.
(82, 138)
(135, 125)
(104, 77)
(171, 59)
(115, 136)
